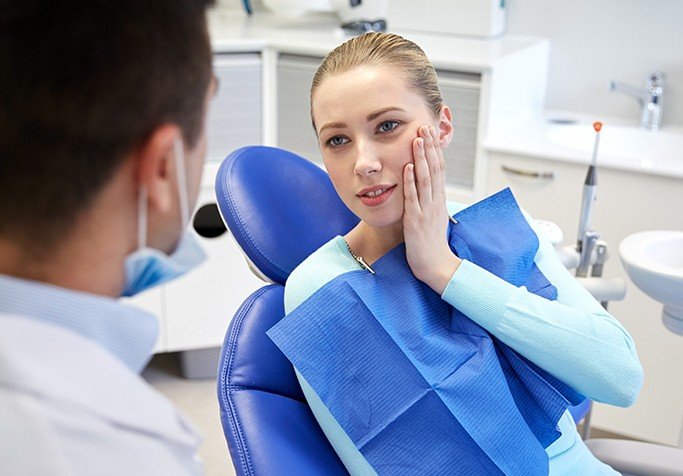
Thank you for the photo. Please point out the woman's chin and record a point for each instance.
(387, 222)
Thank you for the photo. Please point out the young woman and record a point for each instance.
(382, 125)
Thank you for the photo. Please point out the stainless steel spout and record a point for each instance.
(649, 98)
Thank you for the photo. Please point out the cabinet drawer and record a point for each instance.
(547, 190)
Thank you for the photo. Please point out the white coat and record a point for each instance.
(69, 407)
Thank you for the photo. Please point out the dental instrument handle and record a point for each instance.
(589, 191)
(589, 241)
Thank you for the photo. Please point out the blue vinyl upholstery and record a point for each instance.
(268, 425)
(280, 208)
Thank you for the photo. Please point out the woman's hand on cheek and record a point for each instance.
(425, 217)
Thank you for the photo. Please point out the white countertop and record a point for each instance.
(623, 145)
(317, 34)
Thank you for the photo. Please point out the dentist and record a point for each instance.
(102, 141)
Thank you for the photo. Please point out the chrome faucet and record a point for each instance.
(650, 99)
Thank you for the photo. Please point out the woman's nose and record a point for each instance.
(367, 161)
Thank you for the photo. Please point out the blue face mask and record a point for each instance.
(148, 267)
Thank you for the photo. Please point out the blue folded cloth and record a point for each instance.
(417, 386)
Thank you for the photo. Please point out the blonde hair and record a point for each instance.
(383, 49)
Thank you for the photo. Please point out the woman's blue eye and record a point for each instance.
(388, 126)
(336, 141)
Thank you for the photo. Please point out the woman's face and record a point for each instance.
(366, 121)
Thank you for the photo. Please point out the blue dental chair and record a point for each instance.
(268, 425)
(280, 208)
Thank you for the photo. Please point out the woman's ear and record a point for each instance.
(445, 126)
(156, 167)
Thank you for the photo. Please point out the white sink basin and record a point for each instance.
(654, 262)
(621, 142)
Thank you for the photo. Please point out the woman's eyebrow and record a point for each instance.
(338, 125)
(376, 114)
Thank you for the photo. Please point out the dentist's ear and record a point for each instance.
(155, 158)
(445, 127)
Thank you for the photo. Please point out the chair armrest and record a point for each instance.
(604, 289)
(638, 458)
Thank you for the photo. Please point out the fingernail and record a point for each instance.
(432, 131)
(420, 143)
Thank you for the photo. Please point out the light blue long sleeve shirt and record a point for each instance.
(573, 338)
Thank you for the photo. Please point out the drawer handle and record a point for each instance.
(526, 173)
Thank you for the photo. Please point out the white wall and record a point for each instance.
(594, 41)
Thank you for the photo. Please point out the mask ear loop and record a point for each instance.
(142, 218)
(179, 154)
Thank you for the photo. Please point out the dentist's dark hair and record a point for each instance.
(82, 84)
(383, 49)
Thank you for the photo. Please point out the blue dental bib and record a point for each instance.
(418, 387)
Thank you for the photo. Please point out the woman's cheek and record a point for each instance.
(403, 152)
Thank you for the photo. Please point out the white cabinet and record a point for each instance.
(461, 92)
(547, 190)
(295, 132)
(234, 118)
(294, 128)
(200, 305)
(195, 310)
(627, 202)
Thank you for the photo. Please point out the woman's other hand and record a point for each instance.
(425, 219)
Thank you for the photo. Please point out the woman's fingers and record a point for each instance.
(423, 180)
(442, 165)
(430, 167)
(437, 166)
(411, 204)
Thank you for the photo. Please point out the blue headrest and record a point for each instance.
(279, 207)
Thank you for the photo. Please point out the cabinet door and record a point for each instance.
(200, 305)
(294, 129)
(235, 112)
(461, 94)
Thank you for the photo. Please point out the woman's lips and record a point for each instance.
(377, 196)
